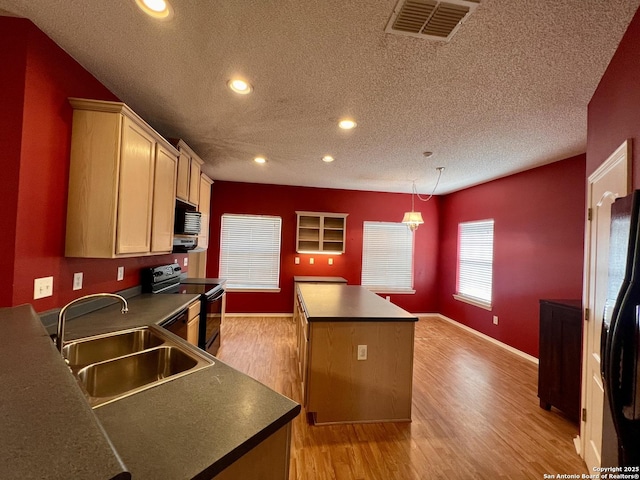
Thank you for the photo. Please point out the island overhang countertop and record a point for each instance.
(338, 302)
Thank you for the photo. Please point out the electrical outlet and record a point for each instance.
(495, 319)
(331, 261)
(120, 274)
(77, 281)
(186, 261)
(296, 260)
(311, 261)
(362, 352)
(42, 287)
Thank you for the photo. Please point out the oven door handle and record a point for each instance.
(217, 297)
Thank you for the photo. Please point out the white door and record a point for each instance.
(610, 181)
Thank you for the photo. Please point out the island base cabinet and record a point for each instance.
(343, 389)
(268, 460)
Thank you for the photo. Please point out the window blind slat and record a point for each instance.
(475, 259)
(250, 251)
(387, 256)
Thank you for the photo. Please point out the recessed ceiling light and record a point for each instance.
(240, 86)
(347, 124)
(159, 9)
(260, 160)
(328, 159)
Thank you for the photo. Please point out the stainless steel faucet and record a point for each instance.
(63, 312)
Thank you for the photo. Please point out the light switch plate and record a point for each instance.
(120, 273)
(186, 261)
(311, 261)
(42, 287)
(77, 280)
(362, 352)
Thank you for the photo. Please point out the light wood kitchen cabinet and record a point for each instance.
(321, 232)
(303, 352)
(204, 207)
(189, 170)
(163, 200)
(193, 321)
(269, 460)
(182, 185)
(113, 189)
(302, 324)
(194, 180)
(355, 352)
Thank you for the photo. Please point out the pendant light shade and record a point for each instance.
(413, 219)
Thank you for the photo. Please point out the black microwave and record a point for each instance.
(188, 221)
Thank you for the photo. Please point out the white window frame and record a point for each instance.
(474, 277)
(382, 262)
(250, 252)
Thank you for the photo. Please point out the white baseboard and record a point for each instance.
(578, 444)
(520, 353)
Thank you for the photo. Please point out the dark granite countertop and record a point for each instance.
(48, 429)
(338, 302)
(192, 426)
(144, 309)
(196, 425)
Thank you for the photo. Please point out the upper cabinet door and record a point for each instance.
(204, 207)
(182, 188)
(135, 194)
(194, 180)
(112, 175)
(163, 200)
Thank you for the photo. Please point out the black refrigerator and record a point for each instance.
(620, 340)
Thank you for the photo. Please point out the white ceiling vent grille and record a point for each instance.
(432, 19)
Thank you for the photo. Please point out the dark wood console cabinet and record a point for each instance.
(559, 376)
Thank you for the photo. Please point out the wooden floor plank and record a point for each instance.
(475, 412)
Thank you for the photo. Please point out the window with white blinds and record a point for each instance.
(475, 262)
(387, 257)
(250, 252)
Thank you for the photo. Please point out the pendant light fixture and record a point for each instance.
(413, 219)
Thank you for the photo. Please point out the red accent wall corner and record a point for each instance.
(538, 248)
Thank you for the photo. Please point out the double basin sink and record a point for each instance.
(115, 365)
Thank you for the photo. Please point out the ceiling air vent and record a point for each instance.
(430, 19)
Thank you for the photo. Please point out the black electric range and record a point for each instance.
(170, 279)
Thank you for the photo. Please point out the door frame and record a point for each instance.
(621, 154)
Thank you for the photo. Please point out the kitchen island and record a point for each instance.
(355, 354)
(213, 423)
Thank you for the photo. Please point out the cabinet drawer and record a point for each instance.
(194, 310)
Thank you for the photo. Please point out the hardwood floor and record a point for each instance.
(475, 411)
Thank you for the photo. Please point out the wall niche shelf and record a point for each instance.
(321, 232)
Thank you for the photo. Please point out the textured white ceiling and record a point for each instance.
(509, 92)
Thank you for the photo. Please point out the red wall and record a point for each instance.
(614, 110)
(538, 240)
(283, 201)
(538, 247)
(36, 122)
(13, 61)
